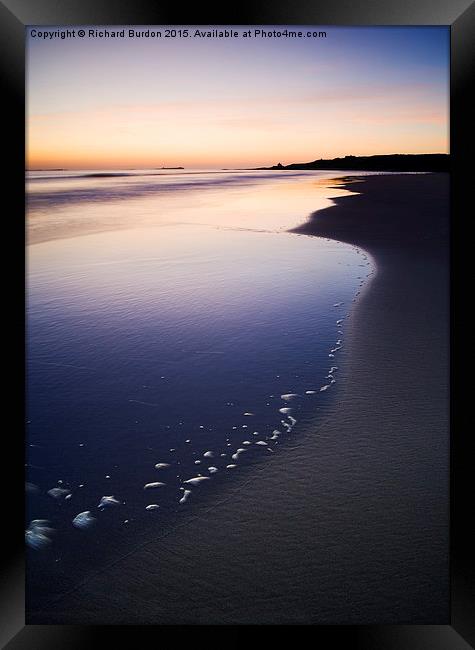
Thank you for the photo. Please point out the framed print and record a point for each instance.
(241, 243)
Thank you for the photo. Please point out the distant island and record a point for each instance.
(169, 168)
(428, 162)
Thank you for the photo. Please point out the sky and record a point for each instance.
(97, 103)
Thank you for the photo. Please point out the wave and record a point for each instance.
(69, 194)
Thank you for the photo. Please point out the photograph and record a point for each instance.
(237, 325)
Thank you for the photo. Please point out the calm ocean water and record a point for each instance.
(177, 335)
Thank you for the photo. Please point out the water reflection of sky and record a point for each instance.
(62, 207)
(143, 338)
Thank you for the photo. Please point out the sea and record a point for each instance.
(178, 335)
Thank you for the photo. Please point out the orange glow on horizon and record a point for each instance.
(365, 91)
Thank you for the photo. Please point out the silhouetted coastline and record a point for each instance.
(431, 162)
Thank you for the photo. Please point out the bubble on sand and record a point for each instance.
(185, 496)
(58, 493)
(162, 465)
(248, 414)
(310, 392)
(83, 519)
(292, 420)
(31, 487)
(256, 433)
(262, 443)
(230, 466)
(197, 462)
(285, 411)
(238, 452)
(196, 480)
(38, 534)
(155, 484)
(152, 506)
(247, 442)
(288, 396)
(212, 470)
(326, 387)
(108, 501)
(208, 454)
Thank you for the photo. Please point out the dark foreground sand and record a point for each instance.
(349, 524)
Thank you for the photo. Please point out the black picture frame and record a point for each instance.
(460, 15)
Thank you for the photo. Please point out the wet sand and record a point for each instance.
(349, 523)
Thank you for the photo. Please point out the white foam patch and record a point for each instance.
(212, 470)
(230, 466)
(292, 420)
(154, 484)
(38, 534)
(248, 414)
(196, 480)
(83, 520)
(106, 502)
(208, 454)
(285, 411)
(162, 465)
(326, 387)
(31, 487)
(238, 453)
(262, 443)
(247, 442)
(185, 496)
(289, 396)
(152, 506)
(58, 493)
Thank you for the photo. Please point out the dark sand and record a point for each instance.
(349, 523)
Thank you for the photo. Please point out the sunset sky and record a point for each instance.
(108, 103)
